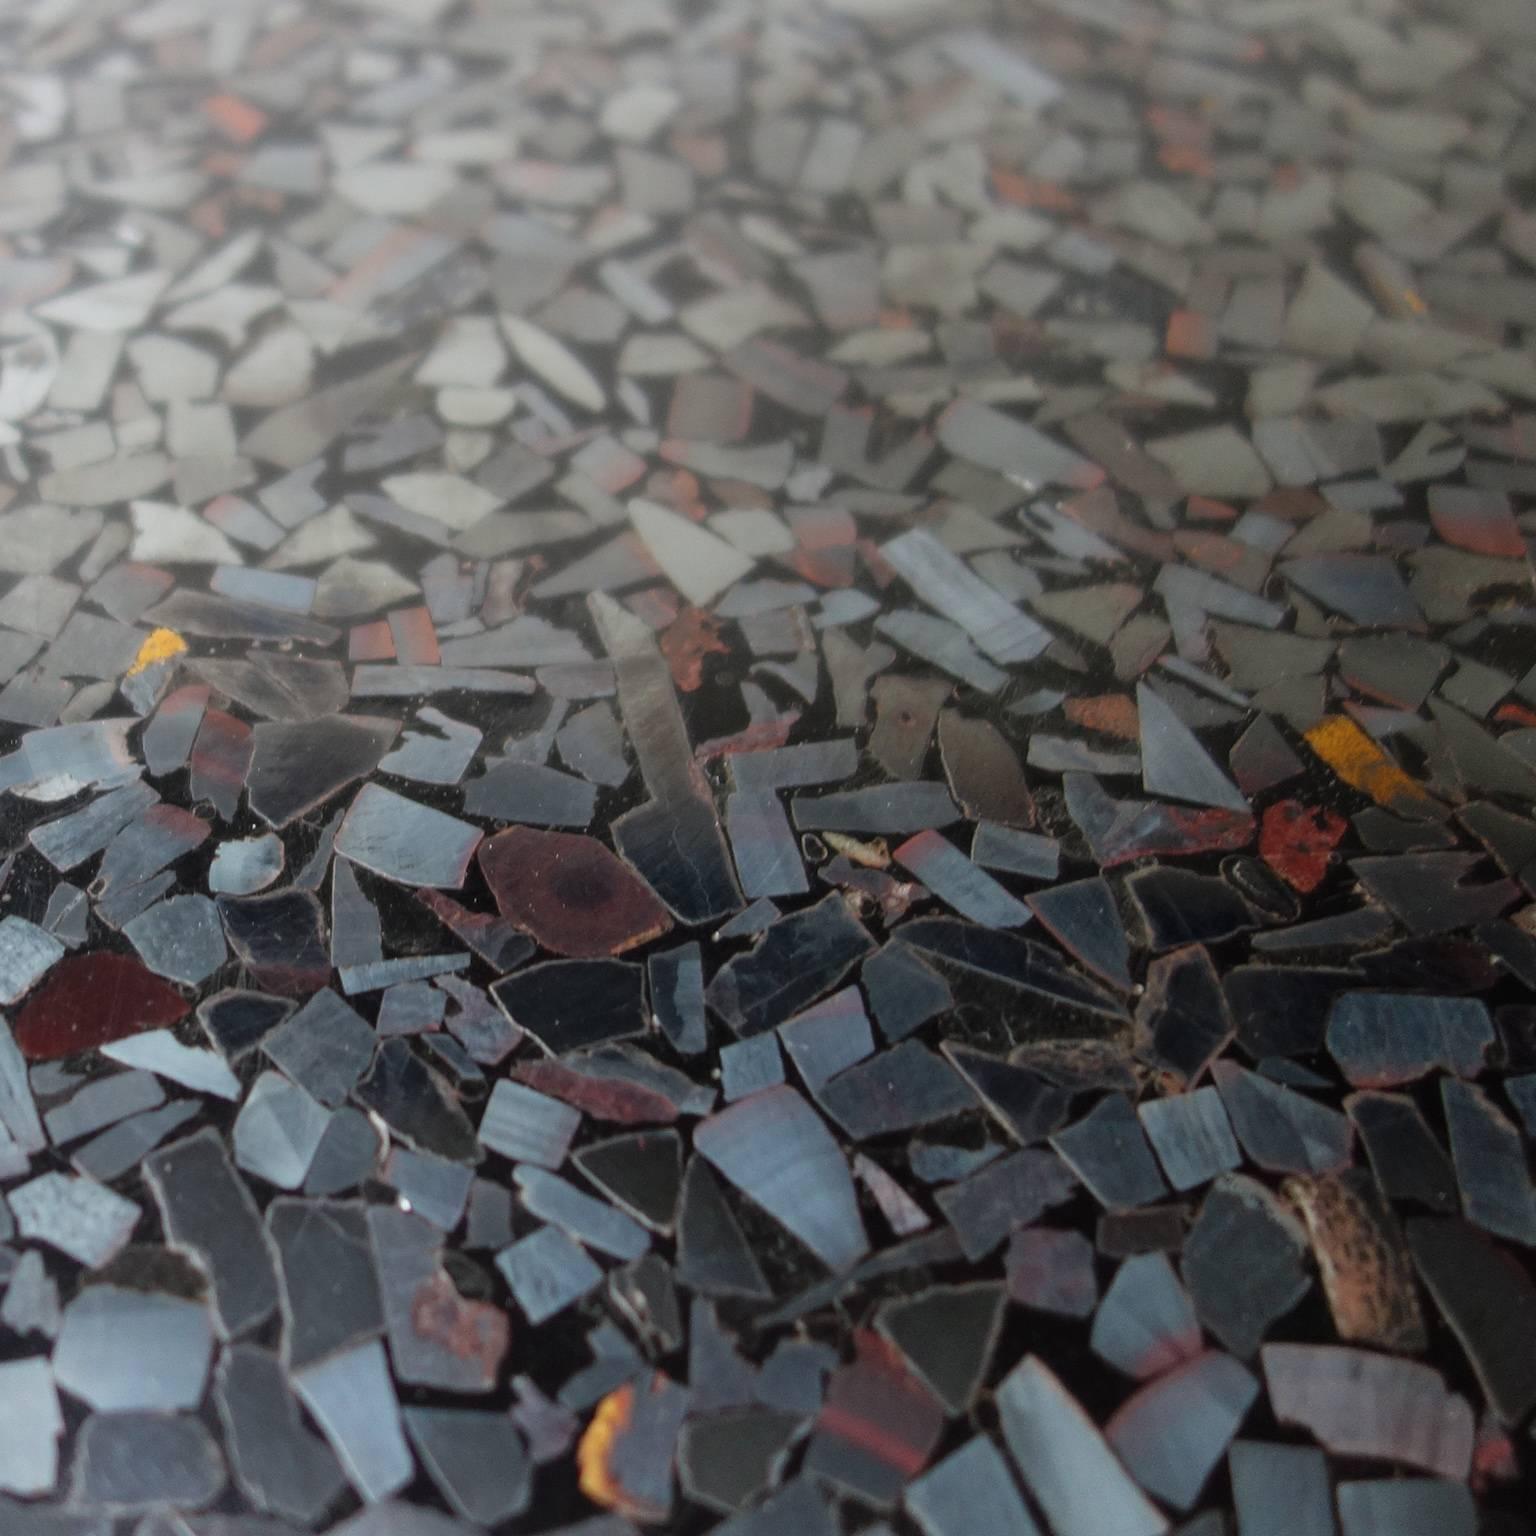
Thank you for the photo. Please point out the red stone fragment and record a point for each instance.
(685, 644)
(1099, 512)
(1190, 334)
(1494, 1457)
(485, 933)
(1111, 714)
(468, 1330)
(1051, 1270)
(826, 567)
(1297, 840)
(570, 892)
(221, 759)
(92, 1000)
(414, 637)
(1164, 831)
(371, 642)
(236, 118)
(1210, 511)
(1482, 522)
(878, 1424)
(760, 737)
(1291, 504)
(609, 1099)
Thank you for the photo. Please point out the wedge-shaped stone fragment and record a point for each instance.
(406, 841)
(1066, 1463)
(209, 1212)
(296, 766)
(776, 1150)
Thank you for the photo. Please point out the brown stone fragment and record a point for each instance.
(1111, 714)
(692, 636)
(468, 1330)
(1364, 1264)
(906, 709)
(610, 1099)
(983, 771)
(570, 892)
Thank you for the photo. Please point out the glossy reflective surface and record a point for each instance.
(767, 768)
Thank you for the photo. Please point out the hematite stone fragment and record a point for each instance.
(280, 938)
(1065, 1462)
(1408, 1160)
(121, 1350)
(1243, 1262)
(547, 1272)
(296, 766)
(897, 1090)
(972, 1484)
(1108, 1151)
(798, 959)
(276, 1461)
(1490, 1305)
(415, 1103)
(477, 1459)
(207, 1210)
(1173, 1431)
(1182, 1019)
(676, 978)
(567, 1004)
(29, 1463)
(778, 1153)
(643, 1172)
(1082, 915)
(726, 1460)
(127, 1462)
(947, 1334)
(353, 1400)
(714, 1257)
(1146, 1323)
(1282, 1010)
(325, 1047)
(330, 1295)
(1281, 1489)
(1439, 1505)
(404, 840)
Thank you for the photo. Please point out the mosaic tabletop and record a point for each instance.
(767, 767)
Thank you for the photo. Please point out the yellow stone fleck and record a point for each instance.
(596, 1447)
(159, 646)
(1364, 766)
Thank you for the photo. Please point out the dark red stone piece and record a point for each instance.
(571, 892)
(92, 1000)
